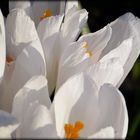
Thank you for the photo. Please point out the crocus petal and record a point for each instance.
(73, 23)
(49, 26)
(19, 4)
(39, 7)
(36, 123)
(107, 108)
(105, 133)
(48, 32)
(74, 58)
(28, 64)
(113, 111)
(125, 46)
(65, 99)
(3, 46)
(26, 5)
(97, 41)
(70, 4)
(86, 108)
(20, 31)
(8, 124)
(5, 85)
(35, 90)
(25, 47)
(107, 71)
(73, 61)
(123, 28)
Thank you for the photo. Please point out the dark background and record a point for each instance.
(102, 12)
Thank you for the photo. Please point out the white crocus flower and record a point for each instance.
(100, 54)
(24, 55)
(106, 55)
(79, 110)
(55, 37)
(56, 32)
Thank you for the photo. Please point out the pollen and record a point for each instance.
(72, 131)
(86, 46)
(46, 14)
(9, 59)
(89, 54)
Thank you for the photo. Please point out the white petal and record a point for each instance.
(97, 41)
(70, 12)
(28, 64)
(8, 124)
(20, 31)
(52, 57)
(125, 46)
(123, 28)
(105, 133)
(70, 4)
(86, 108)
(74, 58)
(48, 32)
(2, 46)
(19, 4)
(36, 122)
(107, 71)
(4, 98)
(35, 90)
(73, 23)
(65, 99)
(39, 7)
(26, 5)
(49, 26)
(113, 111)
(73, 61)
(135, 49)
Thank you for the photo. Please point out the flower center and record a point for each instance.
(72, 131)
(86, 46)
(46, 14)
(9, 60)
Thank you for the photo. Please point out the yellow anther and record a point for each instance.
(89, 53)
(86, 46)
(46, 14)
(68, 128)
(74, 136)
(9, 59)
(78, 125)
(72, 132)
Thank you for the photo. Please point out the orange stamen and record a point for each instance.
(46, 14)
(9, 59)
(72, 132)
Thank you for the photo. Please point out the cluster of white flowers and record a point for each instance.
(41, 53)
